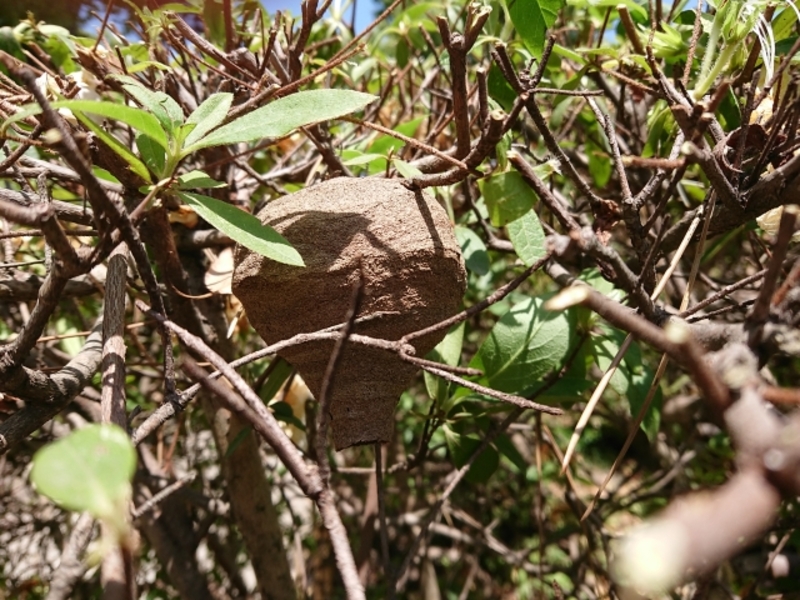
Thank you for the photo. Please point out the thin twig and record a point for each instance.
(387, 571)
(760, 310)
(323, 415)
(152, 502)
(245, 402)
(493, 298)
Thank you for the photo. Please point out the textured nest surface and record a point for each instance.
(402, 243)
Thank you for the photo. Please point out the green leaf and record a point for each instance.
(198, 180)
(569, 54)
(523, 346)
(531, 19)
(405, 169)
(208, 115)
(600, 166)
(280, 373)
(401, 53)
(71, 343)
(147, 64)
(89, 470)
(181, 132)
(59, 46)
(448, 351)
(507, 197)
(567, 390)
(10, 45)
(152, 154)
(499, 88)
(283, 412)
(507, 448)
(527, 237)
(244, 228)
(637, 11)
(164, 108)
(783, 24)
(461, 447)
(384, 143)
(138, 119)
(214, 21)
(282, 116)
(362, 69)
(361, 158)
(632, 380)
(473, 250)
(364, 162)
(136, 165)
(594, 278)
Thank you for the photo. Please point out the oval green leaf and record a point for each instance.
(244, 228)
(531, 19)
(473, 249)
(89, 470)
(448, 351)
(523, 346)
(527, 237)
(507, 197)
(462, 447)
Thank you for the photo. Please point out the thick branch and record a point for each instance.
(57, 390)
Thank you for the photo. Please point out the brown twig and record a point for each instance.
(457, 49)
(630, 29)
(480, 389)
(722, 293)
(71, 566)
(381, 494)
(758, 315)
(323, 415)
(46, 396)
(246, 403)
(542, 191)
(493, 298)
(456, 477)
(711, 386)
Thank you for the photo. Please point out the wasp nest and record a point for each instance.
(400, 244)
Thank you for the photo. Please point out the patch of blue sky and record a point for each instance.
(365, 10)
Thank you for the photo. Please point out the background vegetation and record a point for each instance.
(620, 177)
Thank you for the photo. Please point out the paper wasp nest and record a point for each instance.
(402, 243)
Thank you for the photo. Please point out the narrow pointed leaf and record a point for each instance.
(282, 116)
(208, 115)
(140, 120)
(136, 165)
(152, 154)
(244, 228)
(194, 180)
